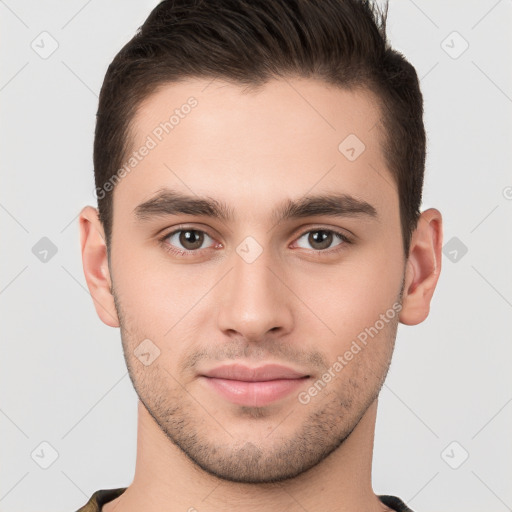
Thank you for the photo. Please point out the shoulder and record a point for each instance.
(395, 503)
(100, 497)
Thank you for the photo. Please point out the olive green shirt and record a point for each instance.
(99, 498)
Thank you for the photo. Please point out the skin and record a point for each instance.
(298, 304)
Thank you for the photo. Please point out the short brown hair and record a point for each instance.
(248, 42)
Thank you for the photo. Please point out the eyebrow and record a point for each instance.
(169, 202)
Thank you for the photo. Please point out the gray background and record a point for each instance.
(63, 377)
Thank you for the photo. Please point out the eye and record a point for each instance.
(185, 240)
(321, 239)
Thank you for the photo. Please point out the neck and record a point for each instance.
(166, 480)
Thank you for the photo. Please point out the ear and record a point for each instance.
(423, 267)
(95, 264)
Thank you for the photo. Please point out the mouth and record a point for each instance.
(254, 387)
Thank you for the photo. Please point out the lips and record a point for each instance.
(260, 374)
(253, 387)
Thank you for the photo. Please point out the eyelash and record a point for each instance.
(169, 248)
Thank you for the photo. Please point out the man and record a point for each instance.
(259, 169)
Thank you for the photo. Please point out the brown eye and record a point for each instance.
(321, 239)
(187, 239)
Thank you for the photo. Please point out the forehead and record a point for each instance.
(308, 108)
(287, 137)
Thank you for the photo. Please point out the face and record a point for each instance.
(297, 261)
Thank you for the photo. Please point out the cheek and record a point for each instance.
(350, 296)
(154, 294)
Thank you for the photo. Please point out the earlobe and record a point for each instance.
(422, 268)
(95, 265)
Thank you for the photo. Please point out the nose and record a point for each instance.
(255, 298)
